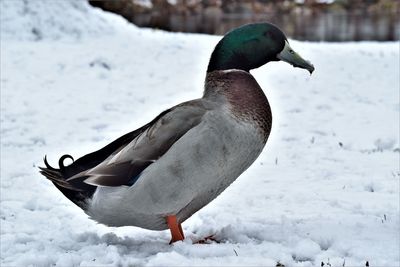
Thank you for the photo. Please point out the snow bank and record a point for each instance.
(36, 20)
(325, 189)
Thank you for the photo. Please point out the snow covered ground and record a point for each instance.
(325, 189)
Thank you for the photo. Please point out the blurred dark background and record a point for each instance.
(312, 20)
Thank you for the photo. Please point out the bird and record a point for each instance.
(160, 174)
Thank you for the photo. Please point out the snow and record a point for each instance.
(325, 189)
(22, 20)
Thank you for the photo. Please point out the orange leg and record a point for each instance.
(181, 231)
(176, 229)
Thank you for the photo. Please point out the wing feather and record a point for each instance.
(125, 166)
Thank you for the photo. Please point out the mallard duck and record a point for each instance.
(159, 175)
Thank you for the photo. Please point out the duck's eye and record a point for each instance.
(291, 51)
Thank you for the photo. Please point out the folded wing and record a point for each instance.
(124, 166)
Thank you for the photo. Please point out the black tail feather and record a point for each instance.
(61, 161)
(76, 189)
(77, 194)
(55, 177)
(47, 164)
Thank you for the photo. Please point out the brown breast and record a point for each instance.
(245, 97)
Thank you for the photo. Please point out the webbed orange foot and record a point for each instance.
(207, 240)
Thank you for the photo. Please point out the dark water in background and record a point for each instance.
(324, 26)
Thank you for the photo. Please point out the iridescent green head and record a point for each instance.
(253, 45)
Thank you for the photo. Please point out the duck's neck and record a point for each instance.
(230, 82)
